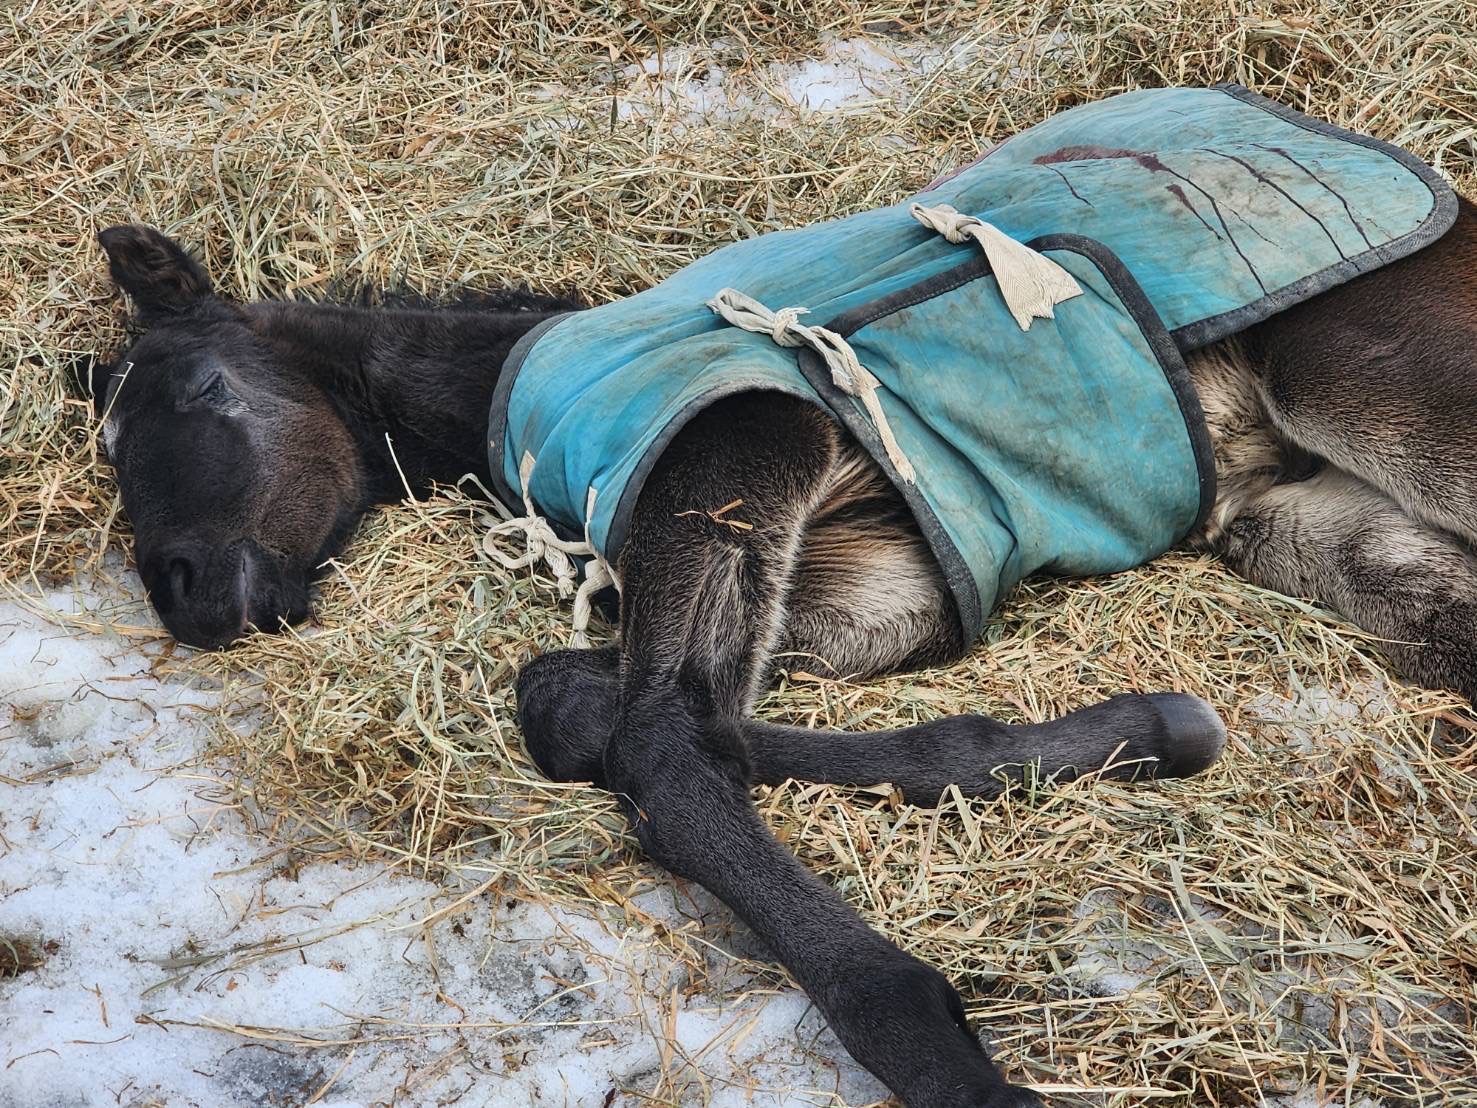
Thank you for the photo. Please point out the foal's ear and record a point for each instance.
(154, 270)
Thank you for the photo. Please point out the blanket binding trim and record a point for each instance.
(497, 417)
(1192, 336)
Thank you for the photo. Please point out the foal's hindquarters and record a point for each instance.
(1345, 435)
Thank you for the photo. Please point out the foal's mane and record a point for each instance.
(512, 298)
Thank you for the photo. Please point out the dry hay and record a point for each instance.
(1301, 915)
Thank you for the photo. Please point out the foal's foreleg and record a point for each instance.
(702, 608)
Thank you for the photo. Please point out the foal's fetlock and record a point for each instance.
(905, 1017)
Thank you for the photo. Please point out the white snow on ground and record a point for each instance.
(849, 75)
(164, 917)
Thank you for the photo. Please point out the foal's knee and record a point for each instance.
(683, 781)
(566, 705)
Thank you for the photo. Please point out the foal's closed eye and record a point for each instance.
(213, 391)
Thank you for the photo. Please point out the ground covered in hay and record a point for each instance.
(320, 869)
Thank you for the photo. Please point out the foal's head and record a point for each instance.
(239, 474)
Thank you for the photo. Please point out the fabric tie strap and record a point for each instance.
(847, 373)
(558, 554)
(1031, 284)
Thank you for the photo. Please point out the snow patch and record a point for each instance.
(713, 84)
(191, 963)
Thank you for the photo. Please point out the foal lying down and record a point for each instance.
(988, 391)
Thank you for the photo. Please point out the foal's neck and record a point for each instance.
(414, 385)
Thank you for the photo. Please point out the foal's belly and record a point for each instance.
(868, 596)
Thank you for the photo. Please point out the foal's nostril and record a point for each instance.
(181, 576)
(170, 581)
(210, 595)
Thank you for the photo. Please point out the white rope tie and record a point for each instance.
(558, 554)
(599, 574)
(847, 373)
(1031, 284)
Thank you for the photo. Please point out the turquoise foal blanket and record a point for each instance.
(1075, 447)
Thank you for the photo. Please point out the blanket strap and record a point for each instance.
(1031, 284)
(848, 373)
(558, 554)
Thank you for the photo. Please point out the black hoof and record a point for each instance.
(1194, 735)
(566, 704)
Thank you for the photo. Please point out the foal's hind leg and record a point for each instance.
(703, 609)
(1377, 375)
(867, 598)
(1349, 546)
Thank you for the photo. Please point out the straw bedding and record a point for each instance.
(1300, 917)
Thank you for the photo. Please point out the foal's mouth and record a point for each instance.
(268, 599)
(243, 593)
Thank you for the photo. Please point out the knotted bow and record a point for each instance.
(558, 554)
(1031, 284)
(847, 373)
